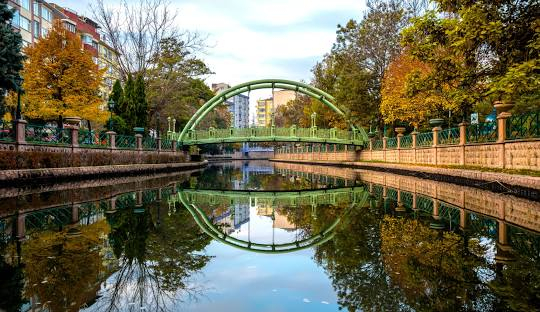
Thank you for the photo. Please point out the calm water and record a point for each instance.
(264, 236)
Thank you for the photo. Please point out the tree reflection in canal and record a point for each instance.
(157, 251)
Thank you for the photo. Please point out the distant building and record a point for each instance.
(282, 97)
(264, 112)
(238, 106)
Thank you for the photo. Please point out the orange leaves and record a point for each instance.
(60, 78)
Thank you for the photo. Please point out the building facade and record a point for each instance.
(238, 106)
(282, 97)
(35, 18)
(264, 112)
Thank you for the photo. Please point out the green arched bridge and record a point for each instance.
(192, 136)
(193, 199)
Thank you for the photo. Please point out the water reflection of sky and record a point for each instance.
(246, 281)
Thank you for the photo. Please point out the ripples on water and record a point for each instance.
(263, 236)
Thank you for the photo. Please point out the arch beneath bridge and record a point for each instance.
(303, 88)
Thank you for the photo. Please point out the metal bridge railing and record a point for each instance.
(523, 126)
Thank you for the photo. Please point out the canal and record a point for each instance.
(265, 236)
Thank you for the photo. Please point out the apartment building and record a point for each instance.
(34, 19)
(238, 106)
(264, 112)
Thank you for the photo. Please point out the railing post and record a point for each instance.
(400, 131)
(293, 130)
(414, 135)
(112, 139)
(20, 131)
(384, 143)
(435, 132)
(138, 142)
(74, 129)
(501, 126)
(158, 144)
(371, 140)
(173, 145)
(463, 133)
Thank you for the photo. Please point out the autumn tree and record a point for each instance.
(141, 105)
(483, 50)
(11, 57)
(61, 79)
(400, 102)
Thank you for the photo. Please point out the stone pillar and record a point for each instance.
(371, 144)
(21, 228)
(399, 207)
(384, 143)
(158, 144)
(501, 126)
(74, 130)
(20, 131)
(463, 218)
(435, 132)
(138, 142)
(139, 199)
(436, 206)
(462, 141)
(112, 208)
(414, 135)
(112, 139)
(75, 213)
(173, 144)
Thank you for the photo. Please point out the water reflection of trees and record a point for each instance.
(11, 278)
(157, 252)
(397, 263)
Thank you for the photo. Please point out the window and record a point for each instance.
(25, 4)
(46, 14)
(86, 39)
(25, 23)
(36, 29)
(36, 9)
(70, 27)
(44, 32)
(16, 21)
(95, 45)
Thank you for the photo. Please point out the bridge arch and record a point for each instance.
(303, 88)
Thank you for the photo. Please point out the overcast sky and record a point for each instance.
(256, 39)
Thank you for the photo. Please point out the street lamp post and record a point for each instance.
(111, 107)
(18, 81)
(157, 124)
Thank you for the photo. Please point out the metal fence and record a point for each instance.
(7, 131)
(482, 132)
(38, 134)
(523, 126)
(424, 139)
(449, 136)
(93, 138)
(406, 141)
(391, 143)
(125, 142)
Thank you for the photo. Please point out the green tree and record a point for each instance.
(116, 95)
(479, 50)
(141, 105)
(128, 103)
(11, 57)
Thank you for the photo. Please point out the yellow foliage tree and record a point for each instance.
(399, 103)
(60, 78)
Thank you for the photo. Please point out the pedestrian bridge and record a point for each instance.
(191, 136)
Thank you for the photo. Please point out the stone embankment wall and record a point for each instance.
(319, 156)
(35, 156)
(507, 155)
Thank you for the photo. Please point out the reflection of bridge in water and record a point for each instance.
(193, 199)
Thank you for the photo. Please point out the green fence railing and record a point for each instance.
(378, 145)
(7, 132)
(94, 139)
(166, 144)
(38, 134)
(523, 126)
(424, 139)
(482, 132)
(449, 136)
(406, 141)
(125, 142)
(391, 143)
(149, 143)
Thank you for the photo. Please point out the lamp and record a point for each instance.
(110, 104)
